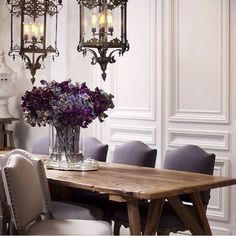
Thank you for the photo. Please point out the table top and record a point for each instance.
(138, 182)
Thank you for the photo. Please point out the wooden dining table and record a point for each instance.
(126, 183)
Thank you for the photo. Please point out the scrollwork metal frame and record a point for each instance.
(33, 9)
(102, 57)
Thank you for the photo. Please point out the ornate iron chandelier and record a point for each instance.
(103, 27)
(32, 23)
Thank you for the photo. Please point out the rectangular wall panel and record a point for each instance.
(199, 61)
(205, 139)
(122, 133)
(218, 208)
(134, 78)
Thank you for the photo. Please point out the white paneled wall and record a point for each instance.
(175, 86)
(172, 88)
(197, 77)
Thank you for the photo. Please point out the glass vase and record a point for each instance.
(65, 150)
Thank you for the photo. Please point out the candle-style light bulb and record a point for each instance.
(26, 31)
(41, 31)
(33, 31)
(94, 22)
(36, 31)
(102, 20)
(110, 22)
(109, 19)
(102, 23)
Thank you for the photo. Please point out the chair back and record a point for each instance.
(39, 167)
(5, 217)
(191, 158)
(94, 149)
(135, 153)
(23, 191)
(41, 145)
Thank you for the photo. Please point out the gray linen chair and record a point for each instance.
(189, 158)
(5, 218)
(94, 149)
(62, 210)
(24, 187)
(132, 153)
(135, 153)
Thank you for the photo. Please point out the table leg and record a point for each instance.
(134, 217)
(187, 218)
(153, 217)
(200, 212)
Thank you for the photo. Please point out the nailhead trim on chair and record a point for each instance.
(6, 218)
(20, 230)
(10, 194)
(43, 184)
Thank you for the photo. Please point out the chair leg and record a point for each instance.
(117, 226)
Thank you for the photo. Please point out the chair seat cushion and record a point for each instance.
(64, 210)
(71, 227)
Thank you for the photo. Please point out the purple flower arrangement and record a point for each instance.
(63, 104)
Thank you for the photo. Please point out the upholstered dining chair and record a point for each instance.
(189, 158)
(24, 187)
(135, 153)
(131, 153)
(62, 210)
(94, 149)
(5, 218)
(4, 213)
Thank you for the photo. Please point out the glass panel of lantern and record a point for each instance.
(34, 26)
(33, 33)
(15, 34)
(101, 23)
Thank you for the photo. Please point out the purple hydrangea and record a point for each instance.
(65, 104)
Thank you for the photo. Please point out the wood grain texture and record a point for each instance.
(138, 182)
(134, 217)
(153, 217)
(200, 212)
(185, 216)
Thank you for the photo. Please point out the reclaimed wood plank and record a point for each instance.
(138, 182)
(200, 212)
(185, 216)
(153, 217)
(134, 217)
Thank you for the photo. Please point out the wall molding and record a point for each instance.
(149, 112)
(123, 133)
(220, 211)
(220, 231)
(176, 113)
(217, 140)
